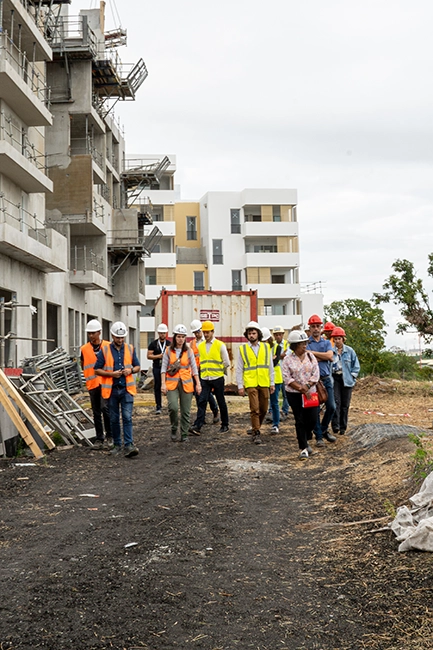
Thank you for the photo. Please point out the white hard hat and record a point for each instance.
(278, 329)
(266, 333)
(297, 336)
(195, 325)
(93, 326)
(252, 325)
(180, 329)
(162, 328)
(119, 329)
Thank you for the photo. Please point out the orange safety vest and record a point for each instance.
(107, 382)
(194, 348)
(89, 360)
(184, 373)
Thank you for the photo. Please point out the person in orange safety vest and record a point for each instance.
(101, 413)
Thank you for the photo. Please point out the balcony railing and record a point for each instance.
(18, 217)
(83, 258)
(86, 145)
(28, 72)
(18, 138)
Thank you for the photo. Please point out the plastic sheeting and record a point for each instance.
(414, 527)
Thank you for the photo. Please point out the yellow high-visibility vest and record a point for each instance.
(256, 368)
(211, 363)
(278, 374)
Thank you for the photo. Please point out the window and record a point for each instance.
(235, 221)
(276, 213)
(191, 228)
(277, 279)
(151, 276)
(198, 280)
(217, 251)
(236, 280)
(265, 248)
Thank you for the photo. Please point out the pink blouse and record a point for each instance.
(302, 371)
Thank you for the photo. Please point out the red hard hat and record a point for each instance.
(315, 319)
(328, 326)
(338, 331)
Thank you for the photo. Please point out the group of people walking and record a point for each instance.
(267, 365)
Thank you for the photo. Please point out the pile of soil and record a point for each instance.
(216, 544)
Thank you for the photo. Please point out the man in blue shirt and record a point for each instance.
(117, 363)
(322, 350)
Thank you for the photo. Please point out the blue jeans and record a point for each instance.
(275, 409)
(120, 399)
(330, 407)
(285, 407)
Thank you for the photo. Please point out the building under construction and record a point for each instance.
(70, 247)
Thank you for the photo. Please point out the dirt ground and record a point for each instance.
(217, 544)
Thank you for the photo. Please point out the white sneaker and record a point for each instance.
(303, 455)
(275, 429)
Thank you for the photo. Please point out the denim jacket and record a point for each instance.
(350, 365)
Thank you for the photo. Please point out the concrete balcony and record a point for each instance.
(153, 291)
(88, 280)
(271, 260)
(278, 291)
(269, 229)
(43, 249)
(19, 169)
(87, 268)
(32, 38)
(161, 260)
(22, 92)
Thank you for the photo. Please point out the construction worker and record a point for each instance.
(327, 332)
(179, 374)
(93, 384)
(117, 363)
(322, 350)
(255, 375)
(198, 338)
(280, 351)
(214, 360)
(155, 353)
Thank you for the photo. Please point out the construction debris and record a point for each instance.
(55, 407)
(64, 370)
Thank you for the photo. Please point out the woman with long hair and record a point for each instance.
(178, 374)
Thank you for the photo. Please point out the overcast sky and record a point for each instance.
(331, 98)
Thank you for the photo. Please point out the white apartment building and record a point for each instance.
(227, 241)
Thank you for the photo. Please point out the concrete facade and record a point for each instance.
(70, 248)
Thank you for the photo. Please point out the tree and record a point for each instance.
(364, 326)
(406, 290)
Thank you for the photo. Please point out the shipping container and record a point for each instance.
(229, 311)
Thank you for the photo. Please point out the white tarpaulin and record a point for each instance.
(414, 527)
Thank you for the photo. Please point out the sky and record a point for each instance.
(333, 99)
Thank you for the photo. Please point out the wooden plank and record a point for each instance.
(22, 429)
(19, 401)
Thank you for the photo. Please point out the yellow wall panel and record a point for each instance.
(165, 276)
(168, 212)
(285, 213)
(143, 340)
(252, 275)
(185, 276)
(267, 213)
(181, 212)
(264, 276)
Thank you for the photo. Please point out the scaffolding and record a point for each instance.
(139, 175)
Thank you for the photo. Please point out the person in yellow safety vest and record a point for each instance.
(100, 409)
(281, 349)
(198, 338)
(117, 363)
(214, 360)
(178, 375)
(255, 375)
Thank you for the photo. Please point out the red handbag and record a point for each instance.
(313, 401)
